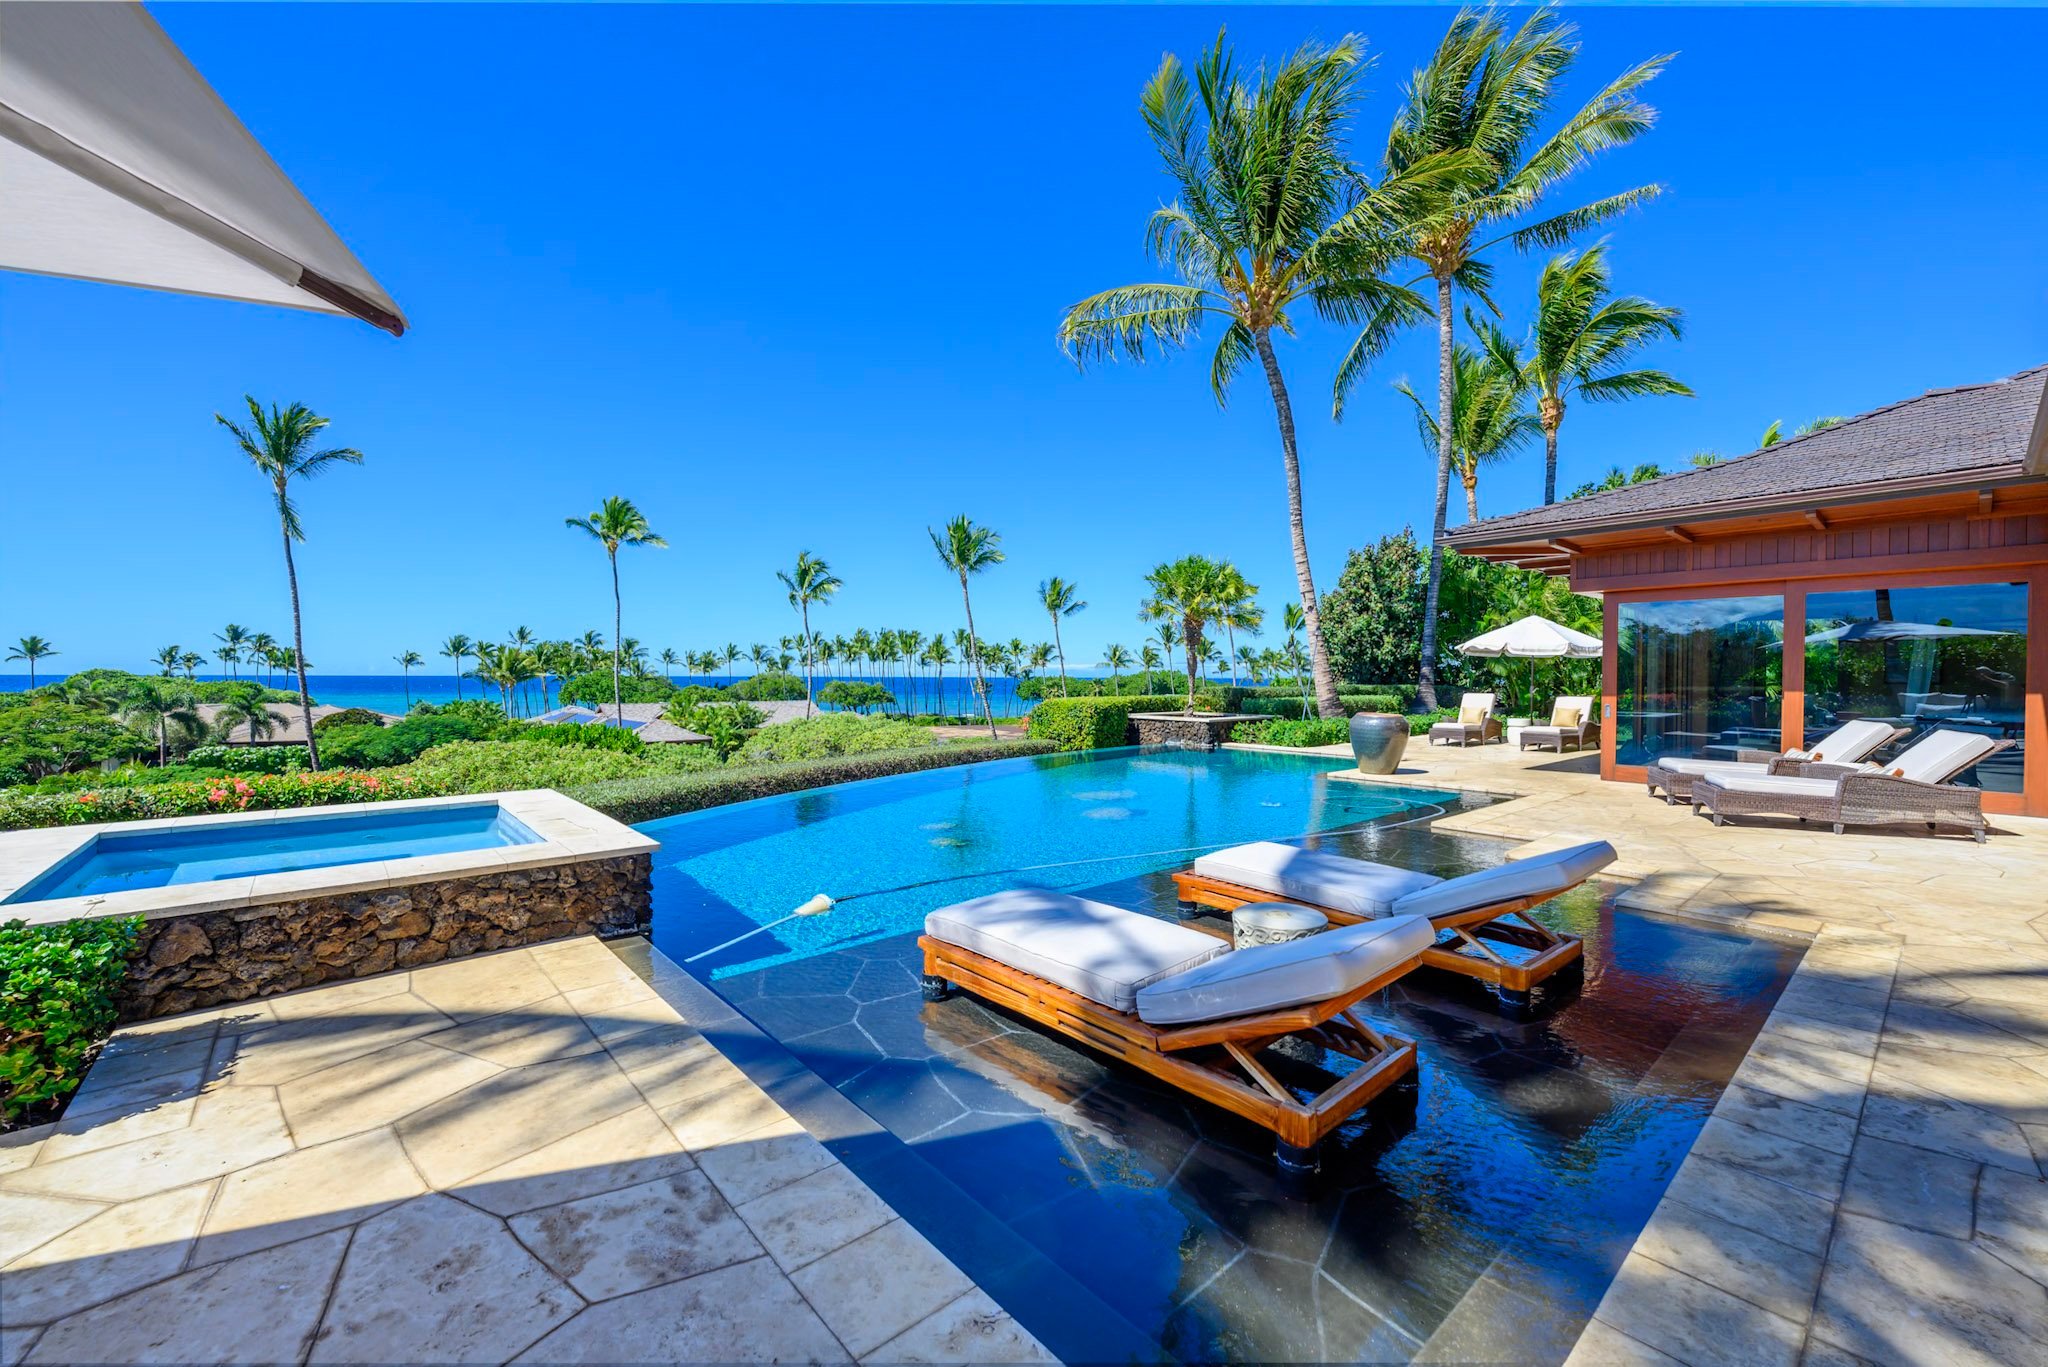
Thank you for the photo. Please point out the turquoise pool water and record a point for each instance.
(890, 850)
(121, 861)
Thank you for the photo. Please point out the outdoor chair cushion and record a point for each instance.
(1941, 755)
(1364, 888)
(1786, 785)
(1358, 886)
(1472, 711)
(1102, 952)
(1569, 712)
(1314, 968)
(1539, 875)
(1846, 744)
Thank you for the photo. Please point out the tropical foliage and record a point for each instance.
(614, 525)
(57, 1002)
(833, 733)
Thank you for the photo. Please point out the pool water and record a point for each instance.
(1121, 1220)
(890, 850)
(122, 861)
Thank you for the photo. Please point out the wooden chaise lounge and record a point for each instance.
(1850, 743)
(1469, 914)
(1915, 788)
(1182, 1005)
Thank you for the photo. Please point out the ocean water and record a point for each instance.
(391, 692)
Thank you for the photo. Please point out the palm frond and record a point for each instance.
(1633, 384)
(1126, 320)
(1559, 229)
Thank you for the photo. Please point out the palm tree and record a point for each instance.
(1118, 659)
(232, 639)
(1488, 420)
(407, 661)
(669, 660)
(1291, 622)
(280, 445)
(1169, 641)
(1483, 92)
(1578, 345)
(729, 655)
(967, 549)
(1061, 599)
(618, 523)
(166, 661)
(1149, 658)
(811, 583)
(458, 648)
(1188, 591)
(1775, 433)
(260, 647)
(244, 707)
(1271, 216)
(1239, 610)
(157, 703)
(32, 649)
(190, 662)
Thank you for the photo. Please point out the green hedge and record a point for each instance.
(1293, 733)
(1093, 723)
(648, 799)
(230, 793)
(1286, 702)
(57, 986)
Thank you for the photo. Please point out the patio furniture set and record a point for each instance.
(1574, 721)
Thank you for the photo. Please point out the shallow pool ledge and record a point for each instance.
(234, 939)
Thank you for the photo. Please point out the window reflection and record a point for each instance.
(1922, 658)
(1702, 677)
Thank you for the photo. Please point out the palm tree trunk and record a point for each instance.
(291, 574)
(1189, 631)
(974, 653)
(1472, 500)
(618, 639)
(1061, 647)
(1549, 458)
(1319, 656)
(804, 614)
(1444, 434)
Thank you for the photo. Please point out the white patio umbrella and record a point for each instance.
(119, 163)
(1533, 638)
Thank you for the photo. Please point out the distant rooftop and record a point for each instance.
(1946, 439)
(643, 719)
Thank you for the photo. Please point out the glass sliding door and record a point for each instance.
(1922, 658)
(1701, 677)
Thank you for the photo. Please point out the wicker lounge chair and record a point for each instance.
(1184, 1006)
(1573, 722)
(1475, 722)
(1469, 914)
(1913, 789)
(1848, 744)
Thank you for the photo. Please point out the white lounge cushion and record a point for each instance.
(1846, 744)
(1539, 875)
(1787, 785)
(1358, 886)
(1315, 968)
(1941, 755)
(1102, 952)
(1700, 768)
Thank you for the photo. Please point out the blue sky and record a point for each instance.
(789, 279)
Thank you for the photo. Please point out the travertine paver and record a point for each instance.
(525, 1153)
(1870, 1187)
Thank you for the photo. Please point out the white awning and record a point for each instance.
(1536, 638)
(119, 163)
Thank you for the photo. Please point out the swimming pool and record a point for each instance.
(123, 861)
(1122, 1221)
(890, 850)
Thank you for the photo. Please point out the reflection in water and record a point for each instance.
(1484, 1224)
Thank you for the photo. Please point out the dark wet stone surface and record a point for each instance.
(1485, 1220)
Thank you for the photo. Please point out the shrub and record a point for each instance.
(769, 688)
(1420, 722)
(52, 737)
(380, 747)
(257, 792)
(578, 736)
(594, 689)
(57, 986)
(491, 766)
(1093, 723)
(249, 759)
(1293, 733)
(1286, 702)
(349, 716)
(855, 694)
(837, 733)
(649, 799)
(480, 710)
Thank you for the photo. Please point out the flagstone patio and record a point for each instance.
(522, 1156)
(1870, 1185)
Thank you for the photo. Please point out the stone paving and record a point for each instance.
(1870, 1186)
(522, 1156)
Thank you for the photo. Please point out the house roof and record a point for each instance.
(291, 731)
(1946, 439)
(650, 726)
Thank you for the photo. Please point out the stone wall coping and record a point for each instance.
(1198, 716)
(570, 833)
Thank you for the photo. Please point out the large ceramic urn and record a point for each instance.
(1378, 740)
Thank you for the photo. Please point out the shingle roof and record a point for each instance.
(1945, 435)
(291, 729)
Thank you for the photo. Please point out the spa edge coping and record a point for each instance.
(570, 833)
